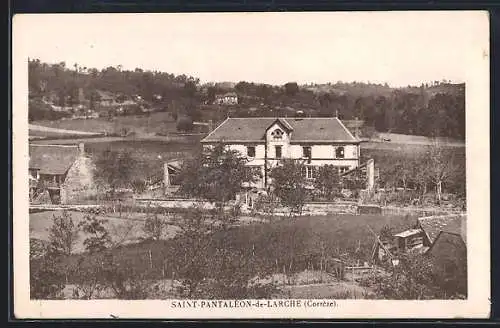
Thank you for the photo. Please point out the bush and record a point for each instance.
(62, 234)
(185, 124)
(38, 110)
(99, 238)
(138, 185)
(46, 277)
(154, 226)
(416, 277)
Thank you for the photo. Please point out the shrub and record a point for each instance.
(62, 234)
(154, 226)
(99, 238)
(46, 277)
(185, 124)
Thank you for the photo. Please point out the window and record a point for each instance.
(277, 134)
(33, 174)
(251, 151)
(306, 152)
(343, 169)
(310, 172)
(339, 152)
(277, 150)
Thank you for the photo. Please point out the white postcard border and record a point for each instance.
(478, 202)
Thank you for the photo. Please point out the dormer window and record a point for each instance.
(277, 134)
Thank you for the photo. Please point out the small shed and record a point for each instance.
(409, 239)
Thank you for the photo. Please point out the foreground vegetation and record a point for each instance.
(211, 258)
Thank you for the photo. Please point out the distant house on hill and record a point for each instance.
(229, 98)
(59, 174)
(106, 99)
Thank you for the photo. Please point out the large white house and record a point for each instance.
(230, 98)
(265, 141)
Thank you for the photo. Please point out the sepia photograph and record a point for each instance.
(251, 164)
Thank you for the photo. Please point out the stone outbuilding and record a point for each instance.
(60, 174)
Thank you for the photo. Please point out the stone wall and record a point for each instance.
(175, 203)
(79, 183)
(311, 208)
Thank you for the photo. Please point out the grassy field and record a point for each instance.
(264, 247)
(48, 132)
(149, 155)
(153, 123)
(383, 152)
(125, 229)
(278, 242)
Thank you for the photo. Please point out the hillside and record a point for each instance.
(57, 91)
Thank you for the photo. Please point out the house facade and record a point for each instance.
(59, 174)
(230, 98)
(264, 142)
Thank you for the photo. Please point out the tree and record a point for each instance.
(264, 91)
(418, 277)
(216, 174)
(211, 93)
(98, 238)
(193, 245)
(289, 184)
(190, 88)
(185, 124)
(327, 181)
(413, 278)
(46, 276)
(115, 169)
(441, 166)
(125, 281)
(210, 266)
(291, 88)
(154, 226)
(62, 234)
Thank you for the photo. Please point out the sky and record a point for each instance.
(398, 48)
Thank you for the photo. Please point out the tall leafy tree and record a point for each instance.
(62, 234)
(289, 184)
(291, 88)
(114, 169)
(442, 166)
(327, 181)
(216, 174)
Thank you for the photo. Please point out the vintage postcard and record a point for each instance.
(251, 165)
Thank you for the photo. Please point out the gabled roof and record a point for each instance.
(433, 225)
(252, 129)
(440, 248)
(408, 233)
(105, 95)
(227, 94)
(52, 159)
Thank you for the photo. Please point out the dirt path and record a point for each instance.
(40, 128)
